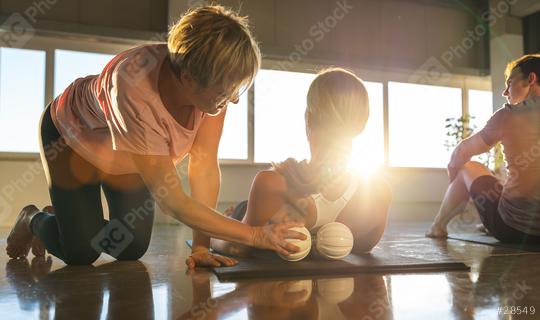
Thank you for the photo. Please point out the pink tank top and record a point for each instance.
(105, 117)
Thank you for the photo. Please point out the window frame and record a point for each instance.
(109, 45)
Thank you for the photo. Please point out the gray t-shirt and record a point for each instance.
(517, 127)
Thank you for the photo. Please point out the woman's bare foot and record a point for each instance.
(481, 228)
(40, 267)
(436, 231)
(19, 239)
(38, 249)
(229, 211)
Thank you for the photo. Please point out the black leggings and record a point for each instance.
(77, 233)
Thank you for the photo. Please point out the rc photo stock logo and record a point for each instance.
(16, 186)
(432, 71)
(435, 70)
(16, 31)
(113, 238)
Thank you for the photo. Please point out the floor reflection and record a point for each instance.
(160, 287)
(79, 292)
(500, 279)
(359, 297)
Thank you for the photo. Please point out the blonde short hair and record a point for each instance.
(337, 104)
(214, 46)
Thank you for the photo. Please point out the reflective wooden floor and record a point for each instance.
(158, 286)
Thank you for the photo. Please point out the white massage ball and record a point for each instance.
(334, 240)
(305, 246)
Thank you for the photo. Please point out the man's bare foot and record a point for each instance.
(19, 239)
(436, 231)
(38, 249)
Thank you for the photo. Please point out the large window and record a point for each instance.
(417, 115)
(70, 65)
(234, 140)
(415, 132)
(480, 108)
(22, 98)
(368, 147)
(280, 102)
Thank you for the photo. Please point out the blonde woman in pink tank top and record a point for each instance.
(124, 130)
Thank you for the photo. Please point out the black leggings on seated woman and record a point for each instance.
(77, 232)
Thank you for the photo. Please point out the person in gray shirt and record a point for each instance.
(509, 210)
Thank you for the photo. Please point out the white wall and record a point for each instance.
(22, 182)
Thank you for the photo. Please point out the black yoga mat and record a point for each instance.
(266, 264)
(483, 238)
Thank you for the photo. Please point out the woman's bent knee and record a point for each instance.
(133, 252)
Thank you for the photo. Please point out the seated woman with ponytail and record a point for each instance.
(322, 189)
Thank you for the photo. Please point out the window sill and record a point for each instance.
(19, 156)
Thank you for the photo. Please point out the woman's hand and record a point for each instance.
(273, 237)
(202, 257)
